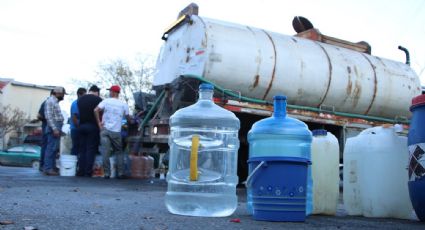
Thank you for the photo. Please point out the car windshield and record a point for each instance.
(27, 149)
(16, 149)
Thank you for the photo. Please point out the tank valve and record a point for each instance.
(407, 54)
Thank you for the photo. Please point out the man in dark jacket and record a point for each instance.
(88, 131)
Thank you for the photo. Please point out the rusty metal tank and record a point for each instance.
(260, 64)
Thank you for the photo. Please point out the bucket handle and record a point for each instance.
(248, 181)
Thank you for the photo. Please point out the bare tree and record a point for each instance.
(135, 76)
(11, 119)
(144, 72)
(131, 78)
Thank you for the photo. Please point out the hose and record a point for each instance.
(149, 115)
(298, 107)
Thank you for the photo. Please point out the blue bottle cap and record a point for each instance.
(279, 97)
(319, 132)
(206, 86)
(279, 123)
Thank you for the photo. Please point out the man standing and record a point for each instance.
(54, 120)
(110, 136)
(88, 131)
(75, 121)
(42, 118)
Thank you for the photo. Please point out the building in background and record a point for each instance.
(26, 97)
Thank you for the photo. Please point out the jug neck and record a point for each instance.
(206, 94)
(279, 107)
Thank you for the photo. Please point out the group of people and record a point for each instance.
(95, 126)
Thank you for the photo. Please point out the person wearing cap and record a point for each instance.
(75, 121)
(42, 118)
(88, 132)
(54, 118)
(110, 125)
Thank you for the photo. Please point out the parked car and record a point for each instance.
(21, 155)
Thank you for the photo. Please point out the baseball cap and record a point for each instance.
(59, 89)
(115, 88)
(94, 88)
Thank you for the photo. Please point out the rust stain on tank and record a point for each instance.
(274, 66)
(348, 69)
(258, 61)
(256, 81)
(356, 72)
(349, 87)
(204, 42)
(302, 68)
(300, 92)
(356, 93)
(375, 83)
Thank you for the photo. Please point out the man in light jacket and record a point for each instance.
(114, 110)
(54, 118)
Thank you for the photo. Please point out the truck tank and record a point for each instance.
(260, 64)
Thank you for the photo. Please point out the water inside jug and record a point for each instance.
(204, 145)
(280, 136)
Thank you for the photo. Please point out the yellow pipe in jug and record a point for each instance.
(194, 158)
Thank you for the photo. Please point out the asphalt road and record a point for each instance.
(33, 201)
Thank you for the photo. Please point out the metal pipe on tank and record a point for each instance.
(407, 54)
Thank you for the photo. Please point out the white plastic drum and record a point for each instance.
(325, 172)
(375, 174)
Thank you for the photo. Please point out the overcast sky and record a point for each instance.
(53, 41)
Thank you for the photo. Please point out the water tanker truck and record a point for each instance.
(330, 83)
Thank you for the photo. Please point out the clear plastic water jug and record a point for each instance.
(280, 136)
(204, 145)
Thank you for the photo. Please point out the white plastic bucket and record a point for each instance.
(68, 165)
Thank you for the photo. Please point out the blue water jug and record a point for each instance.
(278, 188)
(280, 136)
(416, 142)
(204, 146)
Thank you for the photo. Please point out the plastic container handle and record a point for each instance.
(194, 158)
(249, 179)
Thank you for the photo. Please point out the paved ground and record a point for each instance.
(29, 199)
